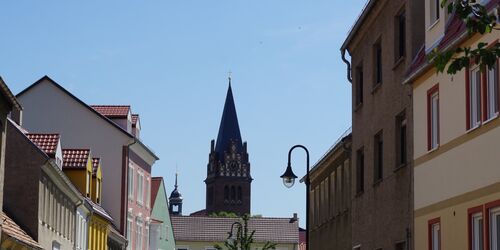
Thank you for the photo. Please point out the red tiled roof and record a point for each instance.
(95, 165)
(215, 229)
(135, 118)
(75, 158)
(46, 142)
(155, 186)
(10, 228)
(112, 111)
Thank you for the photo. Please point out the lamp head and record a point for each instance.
(288, 177)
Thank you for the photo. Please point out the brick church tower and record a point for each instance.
(228, 170)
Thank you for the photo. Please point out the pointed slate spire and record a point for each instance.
(229, 129)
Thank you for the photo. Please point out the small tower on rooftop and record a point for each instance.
(175, 200)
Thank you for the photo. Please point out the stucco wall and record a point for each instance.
(160, 212)
(462, 172)
(47, 109)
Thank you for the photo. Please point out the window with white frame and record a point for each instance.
(475, 97)
(146, 236)
(148, 195)
(433, 117)
(435, 236)
(492, 92)
(434, 7)
(476, 231)
(138, 235)
(140, 188)
(494, 228)
(130, 182)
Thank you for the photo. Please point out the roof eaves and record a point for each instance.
(354, 30)
(147, 149)
(76, 99)
(8, 94)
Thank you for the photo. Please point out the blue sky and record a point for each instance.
(169, 60)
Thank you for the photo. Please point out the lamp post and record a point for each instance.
(289, 180)
(238, 231)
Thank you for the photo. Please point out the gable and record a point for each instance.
(47, 94)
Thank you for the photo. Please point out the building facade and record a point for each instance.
(48, 198)
(456, 128)
(7, 103)
(382, 44)
(228, 179)
(203, 233)
(108, 131)
(330, 203)
(162, 234)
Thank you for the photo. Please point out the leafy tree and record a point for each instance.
(477, 20)
(224, 214)
(243, 239)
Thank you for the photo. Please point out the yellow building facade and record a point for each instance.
(85, 173)
(456, 145)
(98, 232)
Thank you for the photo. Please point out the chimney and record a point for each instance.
(294, 218)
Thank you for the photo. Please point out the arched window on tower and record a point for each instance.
(239, 195)
(226, 193)
(233, 193)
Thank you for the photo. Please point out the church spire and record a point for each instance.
(229, 130)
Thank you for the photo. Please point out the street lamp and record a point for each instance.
(238, 231)
(289, 180)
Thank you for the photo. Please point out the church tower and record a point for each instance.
(228, 170)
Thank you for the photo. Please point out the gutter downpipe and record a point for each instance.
(349, 75)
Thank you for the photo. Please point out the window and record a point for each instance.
(377, 55)
(210, 195)
(476, 231)
(129, 231)
(359, 85)
(434, 234)
(140, 188)
(226, 193)
(98, 191)
(240, 198)
(433, 118)
(400, 35)
(492, 92)
(233, 193)
(147, 193)
(87, 184)
(494, 228)
(474, 90)
(360, 171)
(56, 245)
(332, 194)
(138, 235)
(131, 182)
(401, 140)
(434, 7)
(378, 157)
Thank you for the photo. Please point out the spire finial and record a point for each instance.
(176, 173)
(229, 77)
